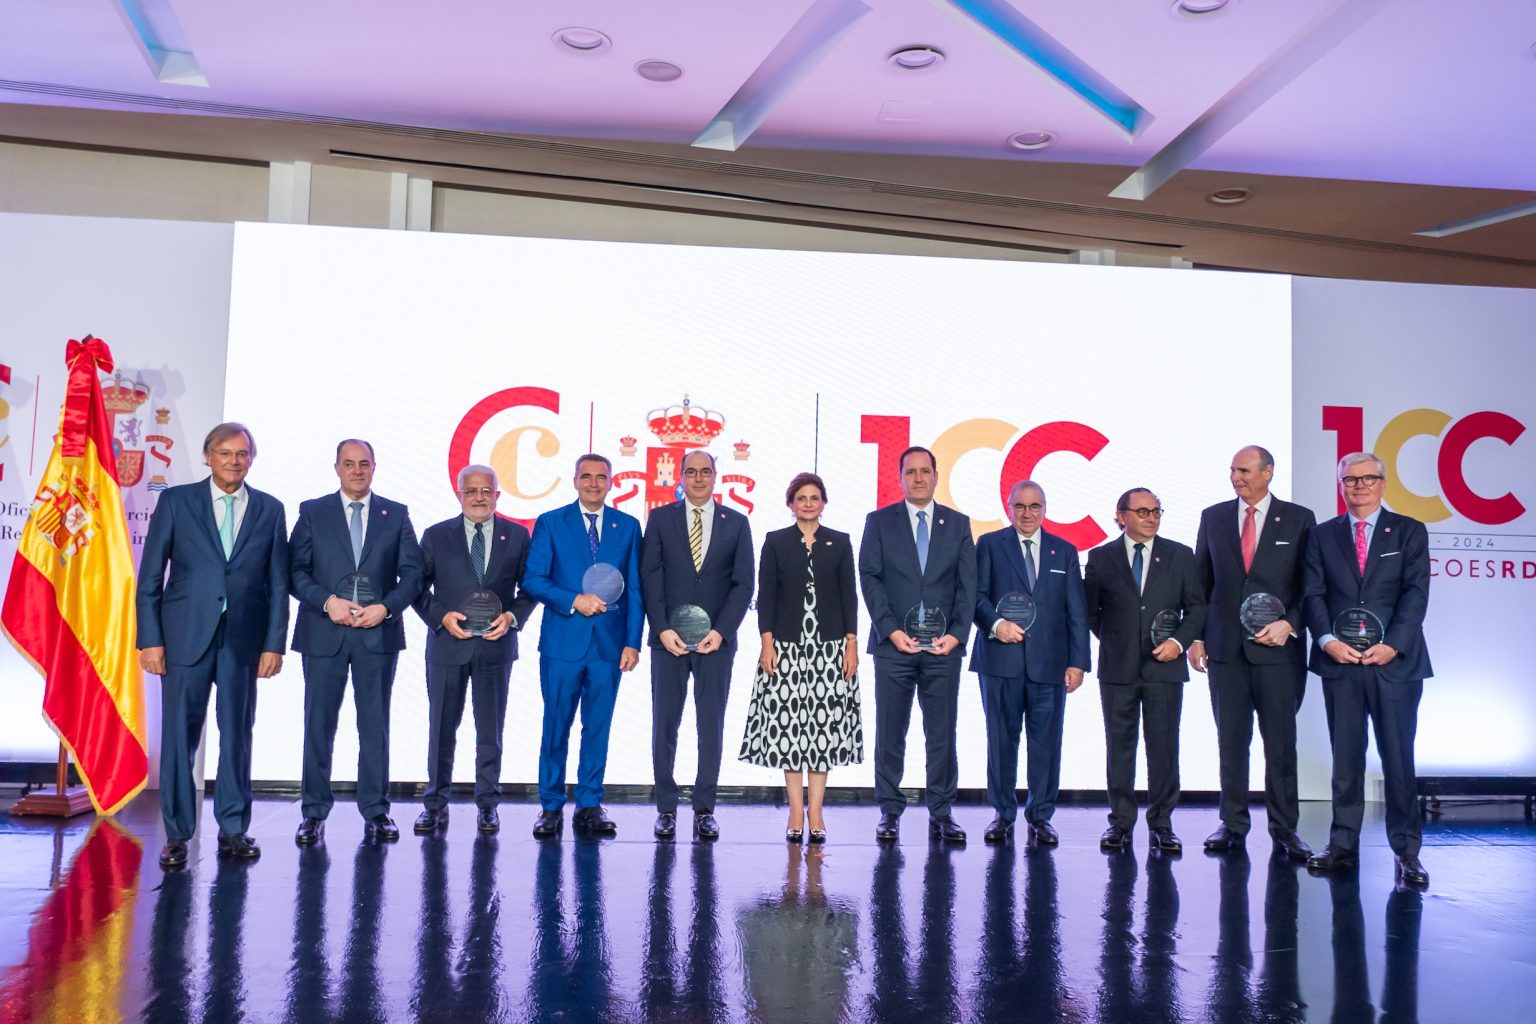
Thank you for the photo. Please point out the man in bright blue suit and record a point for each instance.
(1027, 674)
(586, 642)
(350, 533)
(221, 619)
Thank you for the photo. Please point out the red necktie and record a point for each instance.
(1360, 545)
(1250, 539)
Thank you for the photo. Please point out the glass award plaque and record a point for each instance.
(604, 582)
(1018, 608)
(1358, 627)
(691, 624)
(1258, 611)
(925, 624)
(359, 588)
(1164, 624)
(480, 608)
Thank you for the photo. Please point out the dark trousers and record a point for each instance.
(594, 686)
(935, 681)
(325, 684)
(1157, 706)
(669, 692)
(1393, 709)
(486, 684)
(1013, 706)
(1273, 692)
(183, 709)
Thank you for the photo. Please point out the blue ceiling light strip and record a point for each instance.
(157, 33)
(1042, 50)
(808, 41)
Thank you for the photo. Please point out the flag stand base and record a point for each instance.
(64, 802)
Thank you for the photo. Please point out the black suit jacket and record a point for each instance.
(1058, 640)
(447, 575)
(1395, 587)
(893, 585)
(781, 582)
(1121, 617)
(722, 586)
(1277, 565)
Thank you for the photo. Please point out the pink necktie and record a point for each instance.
(1249, 540)
(1360, 545)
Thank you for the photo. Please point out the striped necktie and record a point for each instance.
(696, 539)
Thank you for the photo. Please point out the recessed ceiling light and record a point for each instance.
(1037, 138)
(1229, 196)
(658, 71)
(1200, 8)
(581, 40)
(916, 58)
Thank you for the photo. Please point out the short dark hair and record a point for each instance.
(1124, 504)
(354, 440)
(593, 457)
(225, 431)
(901, 463)
(800, 480)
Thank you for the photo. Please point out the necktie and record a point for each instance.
(922, 542)
(592, 535)
(1360, 545)
(227, 527)
(1137, 565)
(356, 528)
(1029, 566)
(477, 552)
(696, 539)
(1250, 539)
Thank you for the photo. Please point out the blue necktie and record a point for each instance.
(477, 552)
(592, 533)
(922, 542)
(1029, 566)
(1136, 567)
(227, 527)
(356, 528)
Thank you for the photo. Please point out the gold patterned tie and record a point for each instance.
(696, 539)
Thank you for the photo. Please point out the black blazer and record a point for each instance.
(723, 587)
(781, 582)
(447, 575)
(1121, 617)
(1277, 563)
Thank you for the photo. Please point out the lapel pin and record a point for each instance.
(501, 536)
(941, 522)
(1386, 529)
(383, 511)
(1156, 558)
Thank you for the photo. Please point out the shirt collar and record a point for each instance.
(219, 494)
(1130, 545)
(1370, 519)
(346, 502)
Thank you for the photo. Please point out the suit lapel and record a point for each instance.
(608, 539)
(1015, 554)
(1380, 536)
(1345, 539)
(902, 524)
(247, 524)
(207, 517)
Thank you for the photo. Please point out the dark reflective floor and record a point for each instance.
(467, 928)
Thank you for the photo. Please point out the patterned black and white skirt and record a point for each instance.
(805, 717)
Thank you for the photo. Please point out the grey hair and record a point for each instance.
(473, 468)
(1355, 458)
(1022, 484)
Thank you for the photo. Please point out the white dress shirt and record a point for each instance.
(707, 520)
(1146, 557)
(1258, 517)
(346, 511)
(242, 499)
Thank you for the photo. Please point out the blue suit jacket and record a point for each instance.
(893, 585)
(182, 613)
(559, 557)
(320, 556)
(722, 587)
(447, 576)
(1395, 587)
(1058, 640)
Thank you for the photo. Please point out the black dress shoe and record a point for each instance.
(1044, 833)
(889, 828)
(596, 821)
(1224, 839)
(430, 820)
(1331, 860)
(380, 829)
(946, 830)
(705, 826)
(1115, 838)
(311, 831)
(1291, 845)
(487, 821)
(998, 831)
(666, 826)
(174, 855)
(1164, 840)
(238, 845)
(548, 824)
(1411, 873)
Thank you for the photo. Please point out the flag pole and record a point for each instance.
(65, 801)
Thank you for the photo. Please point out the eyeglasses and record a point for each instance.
(1146, 513)
(229, 456)
(478, 492)
(1369, 480)
(697, 473)
(1034, 509)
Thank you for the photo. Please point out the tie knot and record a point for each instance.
(591, 517)
(922, 516)
(479, 527)
(1250, 510)
(1139, 548)
(355, 506)
(228, 500)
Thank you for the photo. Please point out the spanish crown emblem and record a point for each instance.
(684, 426)
(122, 397)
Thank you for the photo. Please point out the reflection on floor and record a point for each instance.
(461, 927)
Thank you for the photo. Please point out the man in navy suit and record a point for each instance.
(917, 552)
(220, 619)
(475, 551)
(1027, 674)
(1374, 564)
(1249, 546)
(585, 643)
(349, 533)
(695, 552)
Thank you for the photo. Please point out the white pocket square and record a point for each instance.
(1062, 571)
(1281, 543)
(1390, 554)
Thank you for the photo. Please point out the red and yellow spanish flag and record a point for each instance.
(69, 608)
